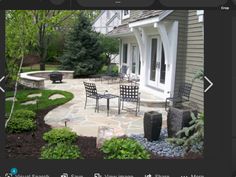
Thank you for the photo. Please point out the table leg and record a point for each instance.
(118, 105)
(108, 106)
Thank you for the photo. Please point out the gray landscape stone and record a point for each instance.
(104, 133)
(29, 102)
(10, 99)
(56, 96)
(34, 95)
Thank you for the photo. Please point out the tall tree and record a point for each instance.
(82, 48)
(46, 22)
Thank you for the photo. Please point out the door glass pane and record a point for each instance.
(139, 66)
(134, 58)
(163, 67)
(125, 53)
(153, 60)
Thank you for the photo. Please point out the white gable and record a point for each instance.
(106, 21)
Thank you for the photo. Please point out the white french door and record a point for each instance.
(156, 67)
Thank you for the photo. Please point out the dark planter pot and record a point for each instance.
(177, 119)
(56, 77)
(152, 125)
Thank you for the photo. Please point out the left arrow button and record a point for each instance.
(3, 77)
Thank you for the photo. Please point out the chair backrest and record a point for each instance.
(129, 92)
(124, 69)
(90, 89)
(185, 90)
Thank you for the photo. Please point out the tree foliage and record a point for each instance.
(110, 47)
(30, 31)
(19, 36)
(47, 22)
(82, 48)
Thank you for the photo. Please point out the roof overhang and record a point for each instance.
(149, 21)
(121, 34)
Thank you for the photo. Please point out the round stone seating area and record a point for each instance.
(35, 79)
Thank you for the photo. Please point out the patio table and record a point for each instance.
(108, 97)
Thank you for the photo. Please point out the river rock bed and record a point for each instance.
(160, 147)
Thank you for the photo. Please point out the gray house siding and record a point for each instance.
(190, 54)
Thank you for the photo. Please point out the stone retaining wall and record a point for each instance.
(35, 79)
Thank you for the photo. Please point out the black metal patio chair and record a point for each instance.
(91, 92)
(129, 93)
(183, 95)
(123, 73)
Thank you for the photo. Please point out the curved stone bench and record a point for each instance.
(35, 79)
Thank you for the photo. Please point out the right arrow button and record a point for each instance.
(211, 84)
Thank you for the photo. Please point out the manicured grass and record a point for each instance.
(43, 101)
(37, 68)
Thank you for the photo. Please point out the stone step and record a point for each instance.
(151, 100)
(152, 103)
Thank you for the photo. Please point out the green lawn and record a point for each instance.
(43, 101)
(37, 67)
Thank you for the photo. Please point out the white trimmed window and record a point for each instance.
(200, 14)
(125, 14)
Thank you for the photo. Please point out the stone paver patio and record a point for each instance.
(85, 122)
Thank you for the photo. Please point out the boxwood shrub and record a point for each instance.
(24, 114)
(124, 148)
(21, 121)
(60, 135)
(20, 125)
(60, 151)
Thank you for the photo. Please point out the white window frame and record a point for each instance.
(200, 14)
(125, 16)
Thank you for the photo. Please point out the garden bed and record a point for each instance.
(28, 145)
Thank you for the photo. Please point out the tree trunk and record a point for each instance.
(42, 66)
(108, 63)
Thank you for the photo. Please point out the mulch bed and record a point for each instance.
(88, 148)
(28, 145)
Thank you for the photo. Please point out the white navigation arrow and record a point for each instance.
(3, 77)
(211, 84)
